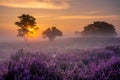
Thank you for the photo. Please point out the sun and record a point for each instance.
(31, 29)
(32, 33)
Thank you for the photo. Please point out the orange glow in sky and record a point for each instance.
(67, 15)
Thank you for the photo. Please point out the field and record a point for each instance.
(67, 59)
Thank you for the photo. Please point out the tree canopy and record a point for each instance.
(99, 29)
(52, 33)
(27, 25)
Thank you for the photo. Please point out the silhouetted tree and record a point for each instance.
(26, 25)
(100, 29)
(52, 33)
(76, 32)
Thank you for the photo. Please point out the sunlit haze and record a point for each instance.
(59, 39)
(67, 15)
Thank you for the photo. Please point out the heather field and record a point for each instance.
(59, 39)
(63, 61)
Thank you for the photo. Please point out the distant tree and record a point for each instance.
(27, 25)
(76, 32)
(52, 33)
(100, 29)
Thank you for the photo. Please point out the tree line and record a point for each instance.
(27, 25)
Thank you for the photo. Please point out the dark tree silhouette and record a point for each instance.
(99, 29)
(26, 25)
(52, 33)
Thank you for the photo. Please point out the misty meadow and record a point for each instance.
(60, 40)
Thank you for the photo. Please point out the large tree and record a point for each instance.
(27, 26)
(99, 29)
(52, 33)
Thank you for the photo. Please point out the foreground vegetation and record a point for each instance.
(74, 64)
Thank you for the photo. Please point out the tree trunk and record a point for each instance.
(26, 40)
(51, 39)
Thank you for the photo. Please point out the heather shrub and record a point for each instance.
(30, 70)
(96, 64)
(115, 49)
(109, 70)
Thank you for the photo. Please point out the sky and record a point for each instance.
(67, 15)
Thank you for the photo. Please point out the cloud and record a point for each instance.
(95, 12)
(115, 17)
(44, 4)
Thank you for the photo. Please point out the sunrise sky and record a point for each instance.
(67, 15)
